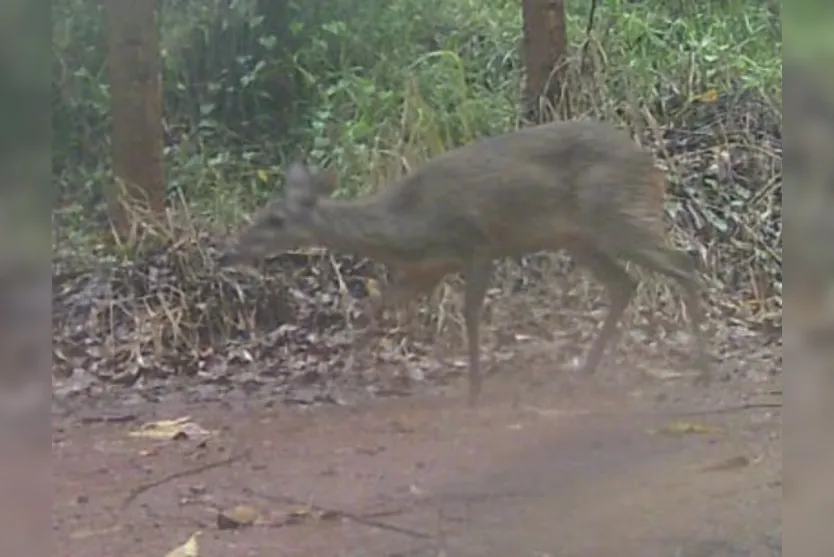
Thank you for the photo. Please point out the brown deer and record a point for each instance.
(582, 186)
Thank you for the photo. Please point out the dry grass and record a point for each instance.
(165, 307)
(161, 308)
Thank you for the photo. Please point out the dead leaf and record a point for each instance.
(683, 428)
(83, 534)
(188, 549)
(329, 515)
(177, 429)
(237, 517)
(708, 96)
(663, 374)
(298, 516)
(303, 515)
(374, 289)
(732, 463)
(152, 429)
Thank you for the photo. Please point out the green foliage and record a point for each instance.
(372, 86)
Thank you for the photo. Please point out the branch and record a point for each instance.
(588, 28)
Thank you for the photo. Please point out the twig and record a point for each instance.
(732, 408)
(346, 515)
(588, 28)
(137, 491)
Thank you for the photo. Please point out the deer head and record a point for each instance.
(287, 221)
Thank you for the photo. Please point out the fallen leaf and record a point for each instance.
(237, 517)
(663, 374)
(682, 428)
(188, 549)
(151, 429)
(297, 516)
(179, 428)
(300, 516)
(708, 96)
(732, 463)
(374, 289)
(328, 515)
(191, 431)
(83, 534)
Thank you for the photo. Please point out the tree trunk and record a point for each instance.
(138, 191)
(544, 58)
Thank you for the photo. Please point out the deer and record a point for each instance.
(582, 186)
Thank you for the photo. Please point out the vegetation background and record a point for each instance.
(372, 88)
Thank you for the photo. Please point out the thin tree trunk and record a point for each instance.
(545, 45)
(136, 110)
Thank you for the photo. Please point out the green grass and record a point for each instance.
(385, 88)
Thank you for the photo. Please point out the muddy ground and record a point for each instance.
(549, 464)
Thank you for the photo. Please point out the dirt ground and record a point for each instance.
(565, 467)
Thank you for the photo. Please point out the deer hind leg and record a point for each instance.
(620, 286)
(646, 247)
(684, 273)
(679, 266)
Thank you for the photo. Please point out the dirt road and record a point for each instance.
(551, 472)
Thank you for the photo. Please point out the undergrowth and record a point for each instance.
(373, 88)
(381, 85)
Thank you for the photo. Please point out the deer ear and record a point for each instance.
(299, 189)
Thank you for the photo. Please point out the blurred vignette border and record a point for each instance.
(25, 153)
(810, 223)
(810, 177)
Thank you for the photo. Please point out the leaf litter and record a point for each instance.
(295, 331)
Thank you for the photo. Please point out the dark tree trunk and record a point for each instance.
(544, 58)
(136, 110)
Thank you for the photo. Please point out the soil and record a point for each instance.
(571, 466)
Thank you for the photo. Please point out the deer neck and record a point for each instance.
(364, 227)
